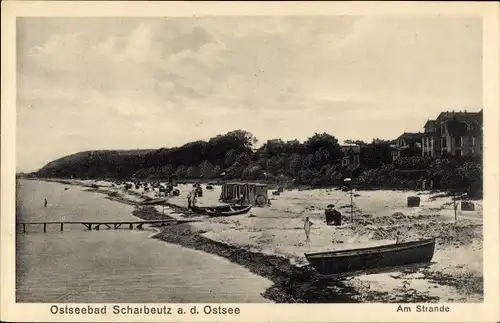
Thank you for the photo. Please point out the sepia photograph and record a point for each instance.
(240, 158)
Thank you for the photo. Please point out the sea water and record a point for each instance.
(112, 266)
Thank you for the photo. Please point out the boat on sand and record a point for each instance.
(228, 210)
(154, 201)
(372, 258)
(221, 210)
(202, 209)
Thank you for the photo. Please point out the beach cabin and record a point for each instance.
(249, 193)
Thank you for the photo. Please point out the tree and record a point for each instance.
(294, 147)
(375, 155)
(381, 141)
(272, 165)
(295, 164)
(230, 157)
(355, 142)
(165, 171)
(243, 159)
(192, 172)
(254, 172)
(323, 140)
(308, 162)
(180, 172)
(321, 158)
(217, 171)
(206, 169)
(274, 147)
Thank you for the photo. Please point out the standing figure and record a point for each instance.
(194, 194)
(189, 197)
(45, 203)
(307, 228)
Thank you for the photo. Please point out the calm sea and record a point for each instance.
(112, 265)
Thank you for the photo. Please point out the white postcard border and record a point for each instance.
(36, 312)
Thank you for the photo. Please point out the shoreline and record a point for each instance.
(291, 283)
(272, 185)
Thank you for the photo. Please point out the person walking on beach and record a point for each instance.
(307, 228)
(45, 203)
(194, 194)
(189, 197)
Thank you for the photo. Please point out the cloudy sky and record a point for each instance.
(111, 83)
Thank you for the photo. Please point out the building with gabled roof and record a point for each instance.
(454, 133)
(407, 145)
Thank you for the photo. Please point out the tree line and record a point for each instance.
(317, 161)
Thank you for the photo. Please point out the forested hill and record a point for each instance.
(233, 154)
(316, 161)
(83, 162)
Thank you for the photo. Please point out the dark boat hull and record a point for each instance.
(203, 209)
(229, 212)
(154, 202)
(394, 255)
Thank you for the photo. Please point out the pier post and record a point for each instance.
(131, 226)
(62, 225)
(45, 227)
(24, 227)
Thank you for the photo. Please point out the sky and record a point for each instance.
(127, 83)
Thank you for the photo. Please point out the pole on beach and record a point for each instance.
(352, 207)
(455, 205)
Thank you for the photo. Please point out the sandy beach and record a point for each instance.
(270, 241)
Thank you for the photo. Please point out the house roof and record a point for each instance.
(430, 123)
(411, 136)
(460, 123)
(462, 116)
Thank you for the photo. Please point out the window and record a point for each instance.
(443, 142)
(458, 141)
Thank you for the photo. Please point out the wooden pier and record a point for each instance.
(94, 225)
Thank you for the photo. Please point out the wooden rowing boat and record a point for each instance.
(366, 259)
(203, 209)
(154, 201)
(228, 210)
